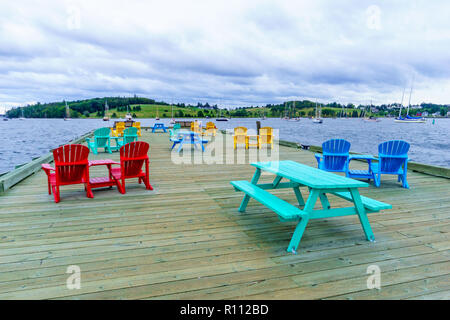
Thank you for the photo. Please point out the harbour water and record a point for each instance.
(23, 140)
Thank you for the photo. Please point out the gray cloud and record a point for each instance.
(230, 52)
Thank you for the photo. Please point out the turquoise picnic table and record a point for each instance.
(320, 183)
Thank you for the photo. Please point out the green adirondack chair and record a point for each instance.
(129, 135)
(174, 131)
(101, 139)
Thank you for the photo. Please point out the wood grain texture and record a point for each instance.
(186, 239)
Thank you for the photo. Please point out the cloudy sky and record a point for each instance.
(227, 52)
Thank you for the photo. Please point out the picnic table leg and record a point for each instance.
(301, 226)
(362, 214)
(246, 197)
(299, 196)
(324, 200)
(181, 145)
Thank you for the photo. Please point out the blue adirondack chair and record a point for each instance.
(335, 156)
(101, 139)
(393, 159)
(130, 134)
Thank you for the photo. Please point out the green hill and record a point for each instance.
(148, 108)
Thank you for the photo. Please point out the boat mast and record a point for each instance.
(106, 108)
(401, 104)
(67, 110)
(410, 92)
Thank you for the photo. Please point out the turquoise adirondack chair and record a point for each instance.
(101, 139)
(129, 135)
(335, 156)
(393, 159)
(174, 133)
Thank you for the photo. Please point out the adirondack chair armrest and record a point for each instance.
(336, 154)
(318, 157)
(402, 156)
(47, 168)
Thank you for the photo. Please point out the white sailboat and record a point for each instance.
(370, 118)
(157, 113)
(106, 117)
(318, 119)
(408, 118)
(67, 117)
(22, 117)
(172, 121)
(128, 116)
(293, 113)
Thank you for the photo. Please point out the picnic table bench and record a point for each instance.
(320, 183)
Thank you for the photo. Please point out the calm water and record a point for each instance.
(23, 140)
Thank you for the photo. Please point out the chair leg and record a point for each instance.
(405, 182)
(123, 187)
(119, 186)
(148, 186)
(56, 193)
(377, 180)
(89, 193)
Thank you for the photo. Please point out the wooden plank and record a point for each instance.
(187, 240)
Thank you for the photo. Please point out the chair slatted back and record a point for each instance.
(71, 163)
(335, 153)
(392, 154)
(195, 126)
(132, 158)
(101, 137)
(210, 125)
(120, 126)
(130, 135)
(266, 135)
(240, 133)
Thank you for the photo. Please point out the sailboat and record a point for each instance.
(408, 118)
(22, 117)
(371, 118)
(263, 116)
(67, 117)
(157, 114)
(317, 119)
(285, 112)
(106, 117)
(172, 121)
(220, 118)
(128, 116)
(293, 113)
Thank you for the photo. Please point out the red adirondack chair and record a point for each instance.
(71, 167)
(133, 156)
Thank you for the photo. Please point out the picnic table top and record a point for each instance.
(308, 176)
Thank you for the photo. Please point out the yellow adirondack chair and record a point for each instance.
(240, 136)
(195, 127)
(137, 125)
(118, 132)
(210, 129)
(265, 136)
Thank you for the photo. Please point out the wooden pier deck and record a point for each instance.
(186, 240)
